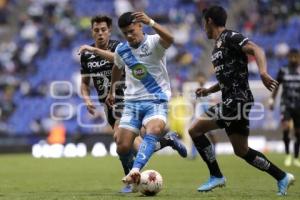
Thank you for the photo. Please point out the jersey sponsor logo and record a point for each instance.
(219, 68)
(139, 71)
(216, 56)
(97, 64)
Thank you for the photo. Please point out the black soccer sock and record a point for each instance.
(206, 151)
(286, 141)
(127, 161)
(259, 161)
(297, 144)
(162, 143)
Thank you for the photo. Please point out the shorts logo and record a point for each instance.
(139, 71)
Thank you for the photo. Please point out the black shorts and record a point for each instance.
(115, 113)
(288, 114)
(234, 117)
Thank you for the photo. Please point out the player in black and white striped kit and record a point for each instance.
(289, 78)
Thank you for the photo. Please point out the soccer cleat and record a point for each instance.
(176, 144)
(288, 161)
(133, 177)
(212, 183)
(284, 184)
(296, 162)
(126, 189)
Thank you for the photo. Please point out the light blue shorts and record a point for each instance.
(138, 113)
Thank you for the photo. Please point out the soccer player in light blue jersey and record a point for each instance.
(147, 87)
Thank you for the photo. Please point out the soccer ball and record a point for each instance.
(150, 183)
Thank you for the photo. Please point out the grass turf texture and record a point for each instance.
(23, 177)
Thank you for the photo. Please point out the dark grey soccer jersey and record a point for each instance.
(289, 77)
(231, 66)
(100, 71)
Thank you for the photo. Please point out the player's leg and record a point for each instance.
(128, 130)
(286, 119)
(238, 132)
(170, 139)
(260, 161)
(296, 147)
(296, 120)
(206, 150)
(154, 119)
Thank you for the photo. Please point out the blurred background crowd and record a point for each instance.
(40, 39)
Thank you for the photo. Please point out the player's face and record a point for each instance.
(101, 33)
(133, 33)
(208, 28)
(294, 59)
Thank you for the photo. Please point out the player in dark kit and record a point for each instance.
(96, 64)
(229, 58)
(289, 78)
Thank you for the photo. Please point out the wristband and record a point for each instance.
(151, 23)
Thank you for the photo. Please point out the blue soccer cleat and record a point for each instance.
(176, 144)
(131, 188)
(126, 189)
(284, 184)
(212, 183)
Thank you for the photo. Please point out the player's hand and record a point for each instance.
(90, 107)
(271, 103)
(141, 17)
(110, 100)
(84, 48)
(202, 92)
(269, 82)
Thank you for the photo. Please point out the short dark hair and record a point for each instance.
(126, 19)
(217, 14)
(293, 51)
(101, 18)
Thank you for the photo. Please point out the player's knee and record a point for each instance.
(122, 147)
(240, 152)
(195, 132)
(285, 126)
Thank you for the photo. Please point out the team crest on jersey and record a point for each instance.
(139, 71)
(145, 50)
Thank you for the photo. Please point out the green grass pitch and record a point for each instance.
(24, 177)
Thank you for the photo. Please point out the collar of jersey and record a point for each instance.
(141, 43)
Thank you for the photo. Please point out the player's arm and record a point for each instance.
(115, 77)
(259, 54)
(85, 93)
(108, 55)
(166, 38)
(271, 100)
(202, 92)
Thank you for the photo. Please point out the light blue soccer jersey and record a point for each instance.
(145, 67)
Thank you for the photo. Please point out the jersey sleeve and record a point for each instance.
(118, 60)
(83, 68)
(157, 44)
(237, 40)
(280, 75)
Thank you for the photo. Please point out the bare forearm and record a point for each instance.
(164, 33)
(274, 93)
(115, 77)
(85, 92)
(104, 54)
(214, 88)
(261, 60)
